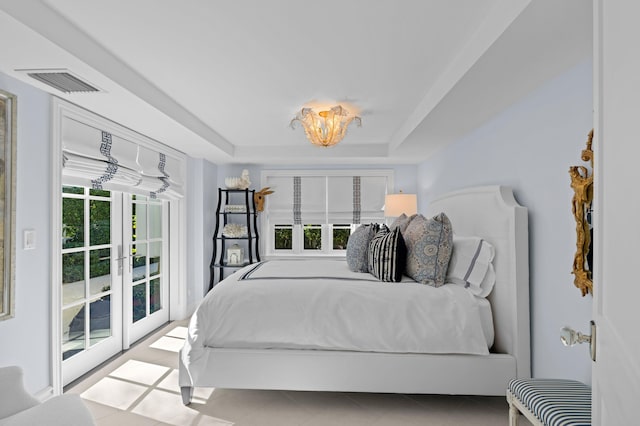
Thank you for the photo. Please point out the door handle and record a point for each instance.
(120, 258)
(570, 337)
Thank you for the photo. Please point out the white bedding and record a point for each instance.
(320, 304)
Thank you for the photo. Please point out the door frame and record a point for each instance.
(61, 109)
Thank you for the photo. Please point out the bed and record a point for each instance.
(287, 360)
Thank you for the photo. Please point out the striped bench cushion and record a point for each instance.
(555, 402)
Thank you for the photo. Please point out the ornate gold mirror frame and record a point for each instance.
(582, 184)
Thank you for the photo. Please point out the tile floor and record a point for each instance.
(141, 388)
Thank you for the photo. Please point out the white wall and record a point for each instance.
(530, 147)
(209, 203)
(201, 203)
(26, 339)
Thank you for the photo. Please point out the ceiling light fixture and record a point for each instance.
(325, 128)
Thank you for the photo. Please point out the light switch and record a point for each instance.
(29, 240)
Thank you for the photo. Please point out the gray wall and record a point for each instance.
(530, 148)
(26, 339)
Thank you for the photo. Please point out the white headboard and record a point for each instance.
(492, 213)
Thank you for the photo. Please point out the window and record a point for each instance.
(283, 237)
(313, 212)
(340, 236)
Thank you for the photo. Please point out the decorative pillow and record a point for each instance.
(470, 265)
(429, 245)
(387, 255)
(358, 247)
(402, 222)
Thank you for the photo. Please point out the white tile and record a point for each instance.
(167, 407)
(124, 418)
(165, 343)
(140, 372)
(179, 332)
(114, 393)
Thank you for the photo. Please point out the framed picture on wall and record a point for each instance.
(8, 123)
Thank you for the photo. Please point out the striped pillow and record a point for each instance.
(387, 255)
(471, 265)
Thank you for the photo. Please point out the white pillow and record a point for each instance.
(471, 265)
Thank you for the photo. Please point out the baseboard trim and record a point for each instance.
(44, 394)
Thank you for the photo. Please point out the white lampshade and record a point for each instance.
(396, 204)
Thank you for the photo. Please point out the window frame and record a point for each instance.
(267, 226)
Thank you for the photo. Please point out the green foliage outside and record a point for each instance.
(73, 235)
(283, 235)
(283, 239)
(340, 238)
(312, 237)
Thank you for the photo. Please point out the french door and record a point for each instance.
(92, 272)
(146, 292)
(114, 274)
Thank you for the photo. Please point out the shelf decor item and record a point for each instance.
(235, 208)
(235, 255)
(241, 182)
(234, 230)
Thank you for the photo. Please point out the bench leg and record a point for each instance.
(514, 415)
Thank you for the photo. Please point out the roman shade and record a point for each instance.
(326, 199)
(98, 159)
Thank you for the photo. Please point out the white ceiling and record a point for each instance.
(222, 80)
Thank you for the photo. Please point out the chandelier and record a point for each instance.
(325, 128)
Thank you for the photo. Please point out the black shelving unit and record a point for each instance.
(249, 217)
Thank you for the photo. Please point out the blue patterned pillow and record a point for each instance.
(358, 246)
(387, 255)
(429, 246)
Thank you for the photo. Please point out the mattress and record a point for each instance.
(320, 304)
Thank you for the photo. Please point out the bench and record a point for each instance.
(549, 402)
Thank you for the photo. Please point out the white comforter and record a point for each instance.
(320, 304)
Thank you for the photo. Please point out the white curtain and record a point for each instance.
(100, 160)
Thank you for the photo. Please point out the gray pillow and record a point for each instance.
(429, 246)
(358, 246)
(387, 254)
(402, 222)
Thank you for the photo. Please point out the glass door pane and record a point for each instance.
(91, 287)
(146, 282)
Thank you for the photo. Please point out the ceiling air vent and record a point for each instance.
(62, 80)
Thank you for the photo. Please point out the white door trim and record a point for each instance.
(178, 309)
